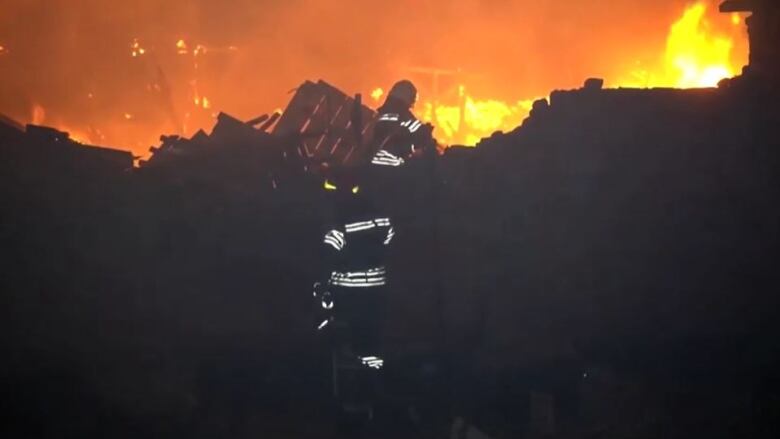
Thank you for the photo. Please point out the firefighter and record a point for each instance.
(398, 134)
(352, 289)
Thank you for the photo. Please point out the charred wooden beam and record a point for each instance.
(737, 6)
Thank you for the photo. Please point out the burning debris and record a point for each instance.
(207, 74)
(533, 271)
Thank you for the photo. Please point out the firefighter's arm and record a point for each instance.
(333, 243)
(423, 141)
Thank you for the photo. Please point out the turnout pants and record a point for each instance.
(360, 313)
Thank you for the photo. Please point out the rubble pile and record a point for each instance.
(607, 268)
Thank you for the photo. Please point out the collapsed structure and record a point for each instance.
(614, 253)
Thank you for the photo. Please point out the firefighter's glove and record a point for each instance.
(327, 300)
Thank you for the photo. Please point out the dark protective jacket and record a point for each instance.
(356, 242)
(398, 134)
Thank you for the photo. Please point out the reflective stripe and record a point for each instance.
(384, 158)
(389, 117)
(323, 324)
(390, 157)
(381, 163)
(365, 225)
(356, 227)
(359, 285)
(370, 278)
(372, 362)
(336, 239)
(383, 155)
(371, 272)
(361, 228)
(333, 243)
(358, 224)
(390, 234)
(412, 125)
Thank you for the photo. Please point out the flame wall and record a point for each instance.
(121, 73)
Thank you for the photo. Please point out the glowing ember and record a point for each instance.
(200, 49)
(181, 47)
(201, 101)
(137, 50)
(128, 116)
(377, 93)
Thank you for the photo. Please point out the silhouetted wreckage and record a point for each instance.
(606, 269)
(322, 116)
(315, 127)
(42, 143)
(764, 32)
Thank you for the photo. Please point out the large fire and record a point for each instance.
(695, 56)
(176, 83)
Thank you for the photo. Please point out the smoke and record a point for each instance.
(73, 57)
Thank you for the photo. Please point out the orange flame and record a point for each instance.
(695, 56)
(473, 119)
(696, 51)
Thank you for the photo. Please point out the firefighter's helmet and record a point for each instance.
(404, 91)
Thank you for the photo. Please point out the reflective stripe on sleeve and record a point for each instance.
(384, 158)
(336, 239)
